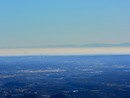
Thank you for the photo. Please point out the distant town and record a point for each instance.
(99, 76)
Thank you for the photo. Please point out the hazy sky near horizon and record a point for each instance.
(61, 22)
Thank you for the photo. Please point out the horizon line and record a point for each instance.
(66, 51)
(93, 45)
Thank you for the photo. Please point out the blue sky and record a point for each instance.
(60, 22)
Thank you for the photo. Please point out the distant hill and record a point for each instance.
(107, 45)
(94, 45)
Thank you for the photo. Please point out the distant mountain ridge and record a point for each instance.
(107, 45)
(94, 45)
